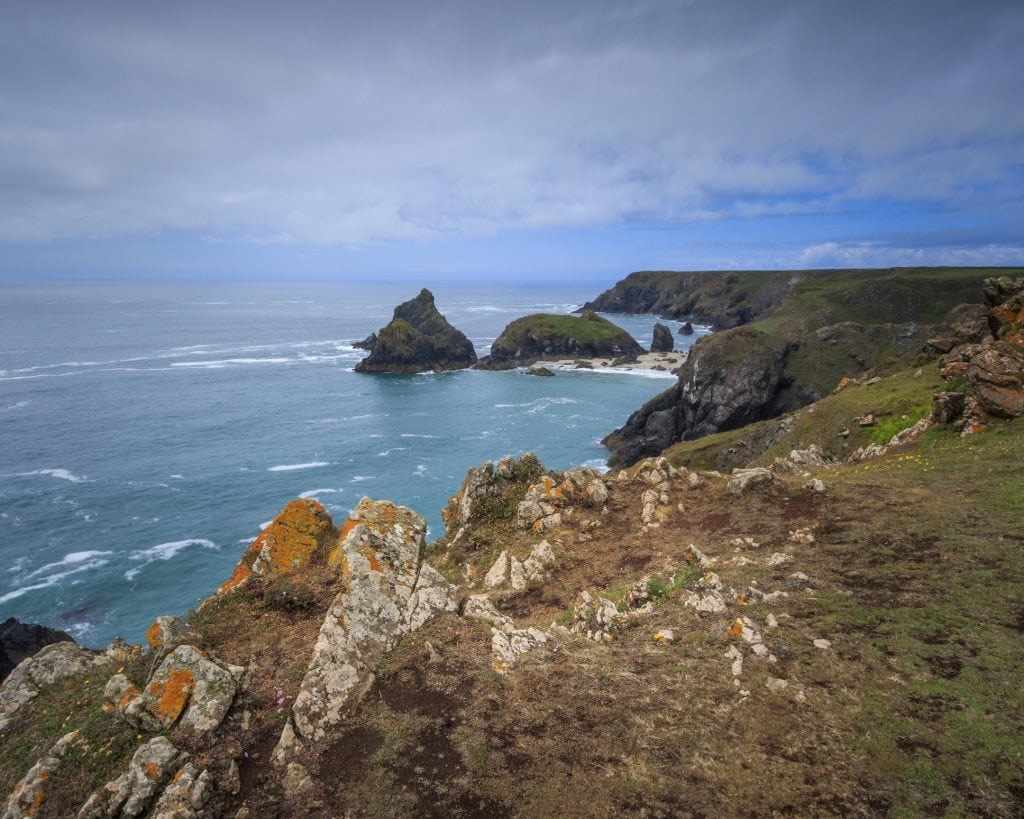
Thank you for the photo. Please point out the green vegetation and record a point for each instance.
(543, 326)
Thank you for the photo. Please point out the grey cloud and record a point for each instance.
(335, 123)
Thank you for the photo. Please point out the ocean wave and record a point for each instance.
(54, 579)
(293, 467)
(387, 452)
(361, 478)
(63, 474)
(164, 551)
(416, 435)
(312, 493)
(223, 362)
(538, 404)
(597, 464)
(68, 560)
(18, 405)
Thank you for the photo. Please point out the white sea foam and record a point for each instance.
(293, 467)
(597, 464)
(312, 493)
(265, 524)
(361, 478)
(416, 435)
(63, 474)
(79, 566)
(18, 405)
(226, 361)
(164, 551)
(387, 452)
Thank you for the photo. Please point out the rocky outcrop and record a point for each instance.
(367, 343)
(290, 540)
(543, 336)
(389, 592)
(991, 360)
(56, 661)
(418, 339)
(686, 329)
(20, 640)
(29, 794)
(488, 481)
(662, 341)
(132, 792)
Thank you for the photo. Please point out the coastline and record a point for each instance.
(652, 365)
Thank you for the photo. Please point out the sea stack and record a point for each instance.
(547, 337)
(662, 342)
(418, 339)
(686, 329)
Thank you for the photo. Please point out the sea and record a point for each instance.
(149, 431)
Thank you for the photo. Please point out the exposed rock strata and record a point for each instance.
(418, 339)
(389, 591)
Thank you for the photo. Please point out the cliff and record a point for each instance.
(418, 339)
(831, 629)
(542, 336)
(813, 328)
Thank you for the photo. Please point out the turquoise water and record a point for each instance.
(147, 432)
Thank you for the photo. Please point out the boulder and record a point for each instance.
(290, 540)
(543, 336)
(186, 795)
(743, 480)
(541, 371)
(662, 341)
(20, 640)
(389, 591)
(594, 619)
(189, 685)
(686, 329)
(418, 339)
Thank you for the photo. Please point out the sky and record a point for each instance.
(520, 141)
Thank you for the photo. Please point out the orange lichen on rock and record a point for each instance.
(154, 636)
(169, 697)
(287, 542)
(736, 629)
(151, 770)
(371, 556)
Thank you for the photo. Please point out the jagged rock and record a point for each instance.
(799, 460)
(290, 540)
(121, 651)
(367, 343)
(743, 480)
(584, 365)
(121, 694)
(508, 646)
(190, 685)
(542, 336)
(548, 500)
(29, 794)
(480, 607)
(296, 779)
(594, 619)
(488, 480)
(130, 794)
(686, 329)
(167, 633)
(497, 575)
(20, 640)
(779, 559)
(541, 371)
(390, 591)
(51, 663)
(948, 407)
(186, 795)
(662, 341)
(418, 339)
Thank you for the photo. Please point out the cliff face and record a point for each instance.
(418, 339)
(542, 337)
(20, 640)
(813, 328)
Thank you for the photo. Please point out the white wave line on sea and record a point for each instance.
(312, 493)
(54, 579)
(165, 551)
(294, 467)
(63, 474)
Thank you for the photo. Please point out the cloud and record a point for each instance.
(339, 123)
